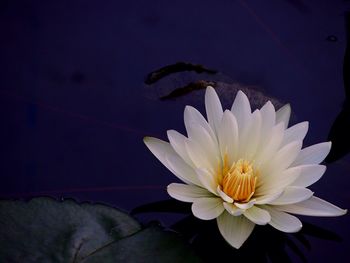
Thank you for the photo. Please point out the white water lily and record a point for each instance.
(244, 168)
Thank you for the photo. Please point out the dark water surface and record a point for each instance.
(74, 106)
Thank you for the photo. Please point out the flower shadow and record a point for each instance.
(266, 244)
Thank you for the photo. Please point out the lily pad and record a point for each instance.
(152, 244)
(46, 230)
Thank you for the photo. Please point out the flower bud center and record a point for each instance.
(239, 180)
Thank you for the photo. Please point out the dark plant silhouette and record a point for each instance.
(340, 130)
(266, 243)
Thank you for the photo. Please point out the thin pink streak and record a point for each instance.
(272, 34)
(93, 189)
(75, 115)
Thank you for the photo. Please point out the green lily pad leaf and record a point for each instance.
(152, 244)
(47, 230)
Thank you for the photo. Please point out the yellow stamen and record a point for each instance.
(239, 180)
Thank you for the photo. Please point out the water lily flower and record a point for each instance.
(244, 168)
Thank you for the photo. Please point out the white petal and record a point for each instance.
(213, 108)
(181, 169)
(199, 157)
(208, 180)
(241, 109)
(159, 148)
(292, 195)
(271, 145)
(228, 136)
(163, 151)
(313, 207)
(232, 209)
(257, 215)
(277, 182)
(207, 208)
(313, 154)
(283, 221)
(249, 140)
(224, 196)
(187, 193)
(205, 145)
(295, 133)
(268, 117)
(177, 141)
(193, 117)
(283, 115)
(282, 160)
(266, 199)
(245, 206)
(235, 229)
(309, 174)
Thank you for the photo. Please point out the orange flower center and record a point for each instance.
(239, 180)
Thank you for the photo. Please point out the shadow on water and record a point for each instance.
(340, 130)
(158, 74)
(184, 81)
(268, 244)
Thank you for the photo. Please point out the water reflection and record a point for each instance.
(265, 244)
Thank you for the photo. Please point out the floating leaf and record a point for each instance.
(149, 245)
(46, 230)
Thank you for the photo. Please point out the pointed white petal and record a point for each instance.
(208, 180)
(181, 169)
(207, 208)
(235, 229)
(224, 196)
(295, 133)
(163, 151)
(159, 149)
(292, 195)
(228, 136)
(187, 193)
(177, 141)
(249, 141)
(313, 154)
(213, 108)
(313, 207)
(283, 115)
(232, 209)
(309, 174)
(268, 117)
(257, 215)
(241, 109)
(268, 114)
(193, 117)
(283, 221)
